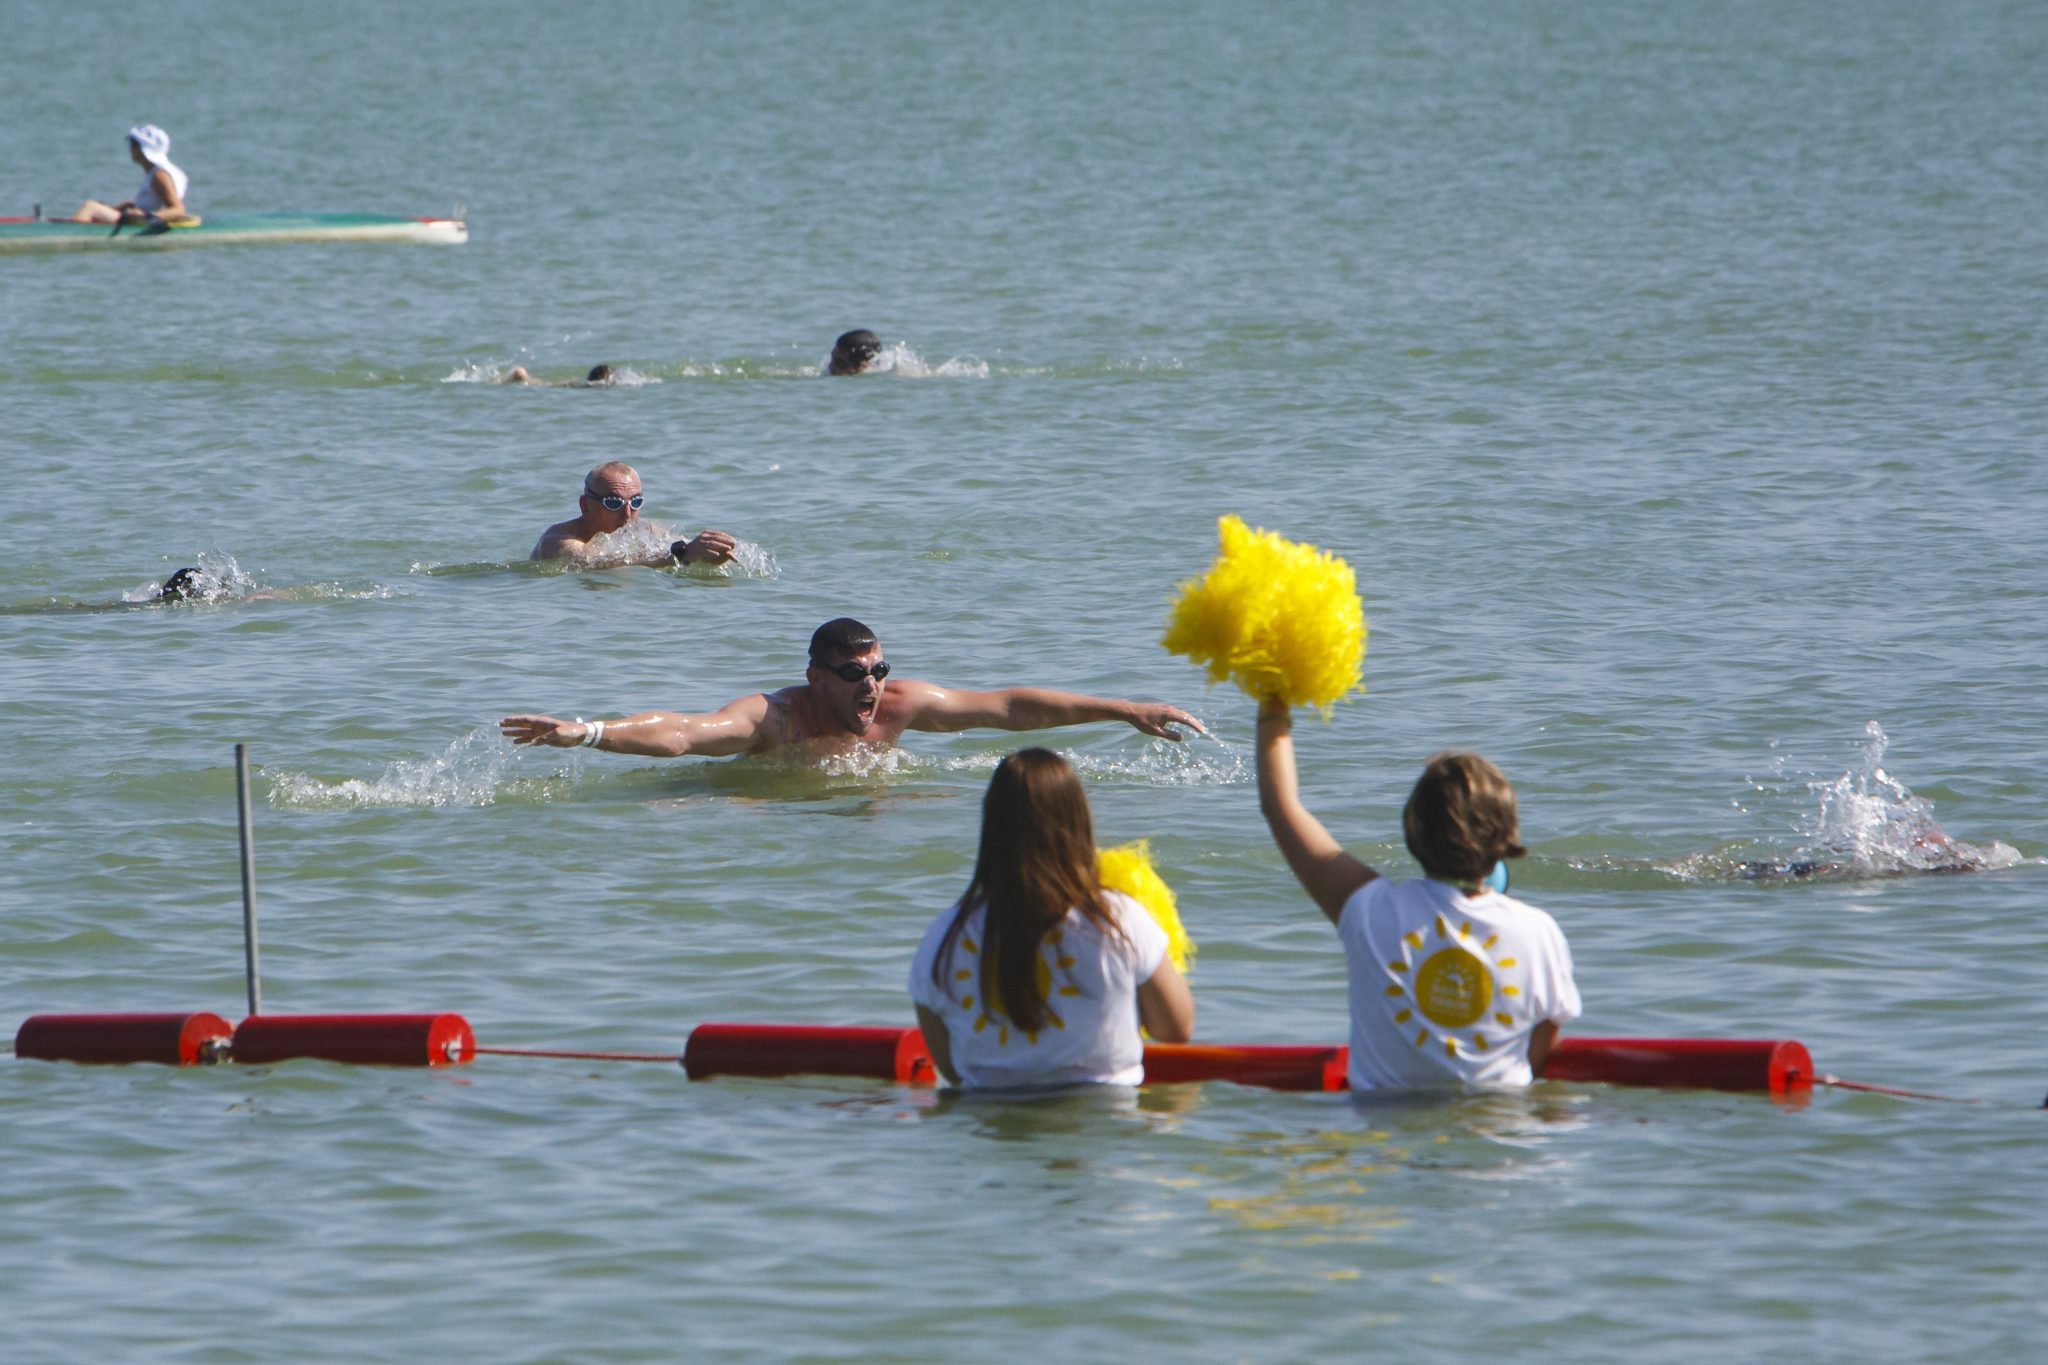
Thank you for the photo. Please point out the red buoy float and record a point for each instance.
(883, 1054)
(171, 1039)
(1776, 1066)
(1274, 1067)
(363, 1039)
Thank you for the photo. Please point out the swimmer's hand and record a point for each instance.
(710, 547)
(556, 734)
(1157, 718)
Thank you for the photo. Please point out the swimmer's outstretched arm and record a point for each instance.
(945, 709)
(738, 727)
(1319, 862)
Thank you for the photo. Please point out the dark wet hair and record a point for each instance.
(841, 638)
(181, 585)
(1460, 820)
(852, 352)
(601, 374)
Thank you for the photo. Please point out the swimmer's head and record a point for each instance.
(181, 586)
(854, 352)
(601, 374)
(1460, 820)
(840, 639)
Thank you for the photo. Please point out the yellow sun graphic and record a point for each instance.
(965, 977)
(1452, 989)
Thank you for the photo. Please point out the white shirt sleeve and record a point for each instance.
(1147, 939)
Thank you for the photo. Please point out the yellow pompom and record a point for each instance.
(1277, 618)
(1128, 868)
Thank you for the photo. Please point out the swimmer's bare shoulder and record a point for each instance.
(559, 542)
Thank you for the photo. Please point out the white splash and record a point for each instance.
(1869, 824)
(472, 771)
(897, 358)
(1861, 824)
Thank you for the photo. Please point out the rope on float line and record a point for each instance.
(1838, 1083)
(666, 1058)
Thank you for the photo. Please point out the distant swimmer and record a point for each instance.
(600, 377)
(162, 195)
(610, 502)
(845, 702)
(1927, 850)
(854, 353)
(184, 585)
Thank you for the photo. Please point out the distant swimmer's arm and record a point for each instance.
(1318, 861)
(1036, 708)
(736, 728)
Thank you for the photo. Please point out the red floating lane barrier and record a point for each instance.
(884, 1054)
(364, 1039)
(898, 1054)
(1274, 1067)
(1778, 1066)
(172, 1039)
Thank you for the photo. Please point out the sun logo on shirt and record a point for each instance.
(1452, 990)
(966, 978)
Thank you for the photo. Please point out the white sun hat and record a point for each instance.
(153, 142)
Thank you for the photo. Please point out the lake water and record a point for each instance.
(1674, 378)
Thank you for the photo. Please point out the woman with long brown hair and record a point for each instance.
(1039, 976)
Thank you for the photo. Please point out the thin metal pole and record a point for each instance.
(248, 880)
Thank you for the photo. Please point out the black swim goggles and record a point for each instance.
(853, 672)
(612, 502)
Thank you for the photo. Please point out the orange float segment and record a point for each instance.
(362, 1039)
(177, 1038)
(1774, 1066)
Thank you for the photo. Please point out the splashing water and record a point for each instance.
(1865, 823)
(641, 542)
(898, 359)
(472, 771)
(218, 579)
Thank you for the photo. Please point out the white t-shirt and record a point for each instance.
(1091, 1000)
(1445, 987)
(147, 199)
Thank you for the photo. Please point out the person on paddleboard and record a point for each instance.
(845, 702)
(854, 353)
(1039, 976)
(610, 503)
(1453, 981)
(162, 195)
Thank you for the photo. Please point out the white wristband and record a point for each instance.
(594, 734)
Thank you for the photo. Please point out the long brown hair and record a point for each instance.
(1037, 862)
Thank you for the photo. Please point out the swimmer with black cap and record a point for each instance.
(182, 586)
(854, 353)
